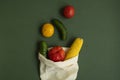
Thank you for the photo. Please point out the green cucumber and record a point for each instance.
(43, 48)
(61, 28)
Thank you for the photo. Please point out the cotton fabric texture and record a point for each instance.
(64, 70)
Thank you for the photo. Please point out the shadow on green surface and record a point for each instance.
(37, 60)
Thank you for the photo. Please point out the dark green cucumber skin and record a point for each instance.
(61, 28)
(43, 48)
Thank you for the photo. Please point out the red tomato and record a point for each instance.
(56, 54)
(69, 11)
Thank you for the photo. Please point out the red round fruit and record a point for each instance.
(56, 54)
(69, 11)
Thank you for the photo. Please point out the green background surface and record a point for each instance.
(97, 21)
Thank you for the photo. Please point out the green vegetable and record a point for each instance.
(43, 48)
(61, 28)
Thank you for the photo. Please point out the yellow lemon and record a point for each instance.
(47, 30)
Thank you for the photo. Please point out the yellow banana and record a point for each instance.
(74, 48)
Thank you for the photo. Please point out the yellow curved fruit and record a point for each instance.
(75, 48)
(47, 30)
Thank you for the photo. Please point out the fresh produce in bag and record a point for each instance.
(61, 63)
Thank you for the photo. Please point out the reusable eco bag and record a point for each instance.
(64, 70)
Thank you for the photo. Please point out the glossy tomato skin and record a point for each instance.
(56, 54)
(69, 11)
